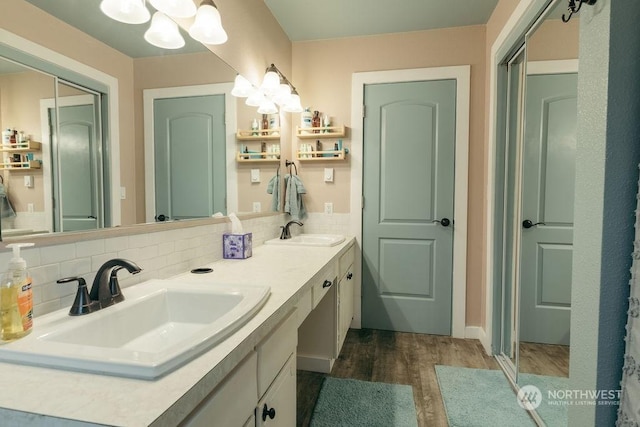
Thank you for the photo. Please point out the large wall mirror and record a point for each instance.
(536, 158)
(62, 179)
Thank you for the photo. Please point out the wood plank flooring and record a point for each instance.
(544, 359)
(396, 357)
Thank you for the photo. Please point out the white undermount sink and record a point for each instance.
(309, 240)
(161, 325)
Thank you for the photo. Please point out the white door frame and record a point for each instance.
(524, 15)
(462, 76)
(149, 96)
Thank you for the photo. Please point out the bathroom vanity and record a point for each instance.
(248, 379)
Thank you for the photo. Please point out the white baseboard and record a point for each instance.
(478, 332)
(314, 364)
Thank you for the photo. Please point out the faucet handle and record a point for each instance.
(82, 304)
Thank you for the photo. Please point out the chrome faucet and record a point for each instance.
(105, 290)
(286, 234)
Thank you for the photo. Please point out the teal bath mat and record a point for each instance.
(350, 403)
(484, 397)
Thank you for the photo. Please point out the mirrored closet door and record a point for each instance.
(536, 154)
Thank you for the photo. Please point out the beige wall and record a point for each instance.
(322, 71)
(20, 95)
(554, 40)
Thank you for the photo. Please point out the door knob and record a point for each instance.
(161, 218)
(266, 412)
(445, 222)
(527, 223)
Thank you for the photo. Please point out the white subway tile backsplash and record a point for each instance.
(90, 247)
(160, 255)
(58, 253)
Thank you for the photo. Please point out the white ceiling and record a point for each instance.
(327, 19)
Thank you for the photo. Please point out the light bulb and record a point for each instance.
(294, 105)
(126, 11)
(267, 107)
(241, 87)
(270, 83)
(283, 94)
(255, 98)
(207, 27)
(163, 32)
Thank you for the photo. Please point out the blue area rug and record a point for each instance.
(350, 403)
(484, 397)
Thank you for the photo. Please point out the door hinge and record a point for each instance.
(362, 202)
(364, 111)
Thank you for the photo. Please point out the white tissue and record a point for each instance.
(217, 215)
(236, 225)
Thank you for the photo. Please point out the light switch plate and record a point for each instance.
(257, 207)
(328, 208)
(28, 181)
(255, 175)
(328, 174)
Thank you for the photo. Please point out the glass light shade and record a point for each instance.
(241, 87)
(267, 107)
(175, 8)
(294, 105)
(283, 94)
(255, 98)
(163, 32)
(207, 27)
(270, 83)
(127, 11)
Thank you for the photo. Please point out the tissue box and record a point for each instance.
(236, 246)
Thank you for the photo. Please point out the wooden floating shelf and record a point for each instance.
(263, 135)
(321, 132)
(19, 148)
(318, 156)
(256, 157)
(31, 164)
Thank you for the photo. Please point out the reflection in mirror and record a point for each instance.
(22, 203)
(143, 67)
(547, 193)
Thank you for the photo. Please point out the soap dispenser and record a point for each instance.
(16, 297)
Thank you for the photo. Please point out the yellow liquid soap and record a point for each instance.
(11, 322)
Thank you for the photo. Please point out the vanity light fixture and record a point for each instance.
(126, 11)
(207, 28)
(275, 89)
(164, 32)
(175, 8)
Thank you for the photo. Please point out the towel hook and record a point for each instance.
(288, 164)
(573, 8)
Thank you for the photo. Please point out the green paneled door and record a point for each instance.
(408, 184)
(190, 163)
(548, 181)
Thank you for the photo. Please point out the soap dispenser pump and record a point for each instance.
(16, 297)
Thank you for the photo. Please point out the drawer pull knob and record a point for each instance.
(349, 276)
(266, 412)
(326, 283)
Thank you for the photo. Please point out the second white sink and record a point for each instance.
(309, 240)
(159, 327)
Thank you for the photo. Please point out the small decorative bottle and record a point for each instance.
(315, 121)
(254, 127)
(306, 118)
(326, 122)
(265, 124)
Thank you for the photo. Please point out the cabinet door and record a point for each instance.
(278, 406)
(345, 304)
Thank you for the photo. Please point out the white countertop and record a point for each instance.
(32, 395)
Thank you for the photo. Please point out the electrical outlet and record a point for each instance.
(328, 208)
(328, 174)
(30, 207)
(257, 207)
(123, 193)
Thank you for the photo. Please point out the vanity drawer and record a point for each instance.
(322, 282)
(275, 349)
(232, 402)
(304, 306)
(346, 259)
